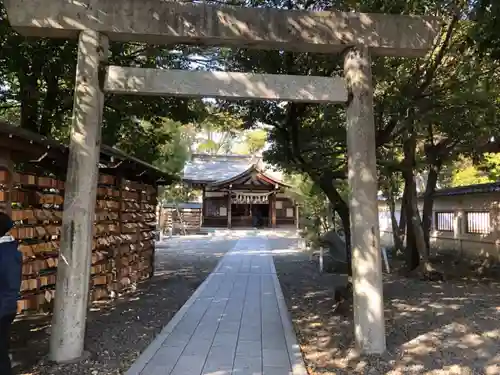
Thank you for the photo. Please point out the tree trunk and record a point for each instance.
(416, 246)
(49, 104)
(416, 223)
(331, 215)
(28, 75)
(396, 235)
(29, 103)
(341, 207)
(402, 219)
(415, 243)
(344, 217)
(411, 253)
(430, 189)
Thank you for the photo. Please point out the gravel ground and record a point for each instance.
(117, 332)
(433, 328)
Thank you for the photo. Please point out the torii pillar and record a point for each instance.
(369, 327)
(73, 273)
(157, 22)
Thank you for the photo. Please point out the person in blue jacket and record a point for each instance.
(10, 285)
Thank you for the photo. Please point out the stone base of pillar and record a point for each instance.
(85, 356)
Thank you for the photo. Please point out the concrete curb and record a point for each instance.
(294, 352)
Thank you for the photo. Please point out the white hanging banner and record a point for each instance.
(250, 198)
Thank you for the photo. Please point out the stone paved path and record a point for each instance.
(236, 323)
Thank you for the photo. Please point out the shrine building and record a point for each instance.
(240, 192)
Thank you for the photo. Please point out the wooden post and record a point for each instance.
(386, 259)
(118, 255)
(159, 219)
(119, 186)
(75, 256)
(273, 210)
(7, 165)
(158, 213)
(495, 226)
(154, 198)
(297, 216)
(270, 212)
(229, 214)
(203, 206)
(321, 259)
(141, 217)
(459, 228)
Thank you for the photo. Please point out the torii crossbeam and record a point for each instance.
(95, 22)
(171, 22)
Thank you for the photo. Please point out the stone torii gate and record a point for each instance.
(96, 22)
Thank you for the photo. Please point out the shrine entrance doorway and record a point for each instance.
(244, 215)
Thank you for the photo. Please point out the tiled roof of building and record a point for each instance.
(469, 189)
(34, 149)
(491, 187)
(214, 168)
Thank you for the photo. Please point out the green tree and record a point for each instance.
(255, 140)
(469, 176)
(311, 139)
(491, 166)
(162, 143)
(421, 110)
(217, 131)
(486, 32)
(37, 80)
(465, 172)
(251, 142)
(36, 92)
(315, 211)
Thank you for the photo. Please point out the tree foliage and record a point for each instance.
(217, 131)
(254, 141)
(486, 35)
(314, 208)
(485, 168)
(491, 165)
(429, 112)
(37, 78)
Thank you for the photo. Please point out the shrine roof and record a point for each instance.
(210, 169)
